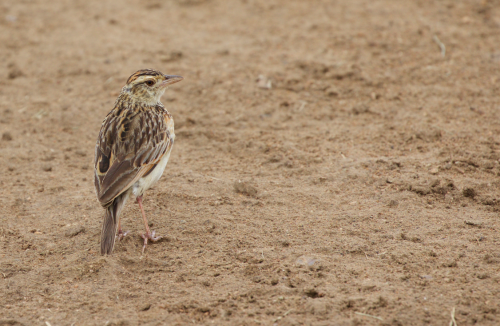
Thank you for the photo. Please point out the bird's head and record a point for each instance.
(147, 86)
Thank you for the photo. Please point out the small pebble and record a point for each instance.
(245, 189)
(469, 192)
(80, 153)
(74, 230)
(7, 136)
(393, 203)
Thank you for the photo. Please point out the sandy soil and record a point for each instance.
(332, 165)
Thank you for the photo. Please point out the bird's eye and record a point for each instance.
(150, 83)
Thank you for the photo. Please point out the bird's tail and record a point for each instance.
(110, 224)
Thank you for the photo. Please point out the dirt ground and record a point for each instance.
(336, 163)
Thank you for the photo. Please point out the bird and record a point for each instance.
(132, 151)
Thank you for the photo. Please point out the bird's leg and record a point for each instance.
(121, 234)
(148, 235)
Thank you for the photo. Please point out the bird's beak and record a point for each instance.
(171, 79)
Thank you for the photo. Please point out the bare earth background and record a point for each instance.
(331, 166)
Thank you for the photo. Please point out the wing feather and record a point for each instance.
(130, 144)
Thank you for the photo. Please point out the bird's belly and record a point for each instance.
(146, 182)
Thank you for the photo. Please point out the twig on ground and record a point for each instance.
(284, 315)
(453, 322)
(302, 105)
(441, 45)
(209, 176)
(367, 315)
(472, 223)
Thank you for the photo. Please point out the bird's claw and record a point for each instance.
(149, 236)
(122, 234)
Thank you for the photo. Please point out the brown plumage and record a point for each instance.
(132, 149)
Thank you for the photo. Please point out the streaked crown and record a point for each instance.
(147, 86)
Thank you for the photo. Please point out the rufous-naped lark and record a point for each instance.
(132, 150)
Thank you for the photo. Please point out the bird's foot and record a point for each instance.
(149, 236)
(122, 234)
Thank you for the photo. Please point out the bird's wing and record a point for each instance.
(130, 144)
